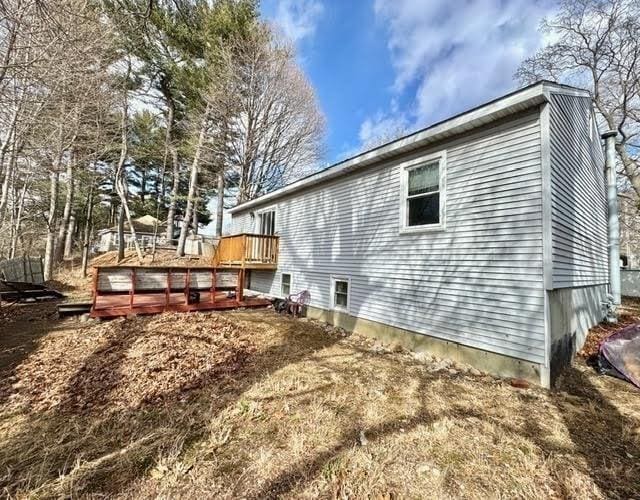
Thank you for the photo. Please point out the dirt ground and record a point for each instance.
(255, 405)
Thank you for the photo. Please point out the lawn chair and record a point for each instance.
(295, 302)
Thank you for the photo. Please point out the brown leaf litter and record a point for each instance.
(249, 404)
(161, 258)
(126, 364)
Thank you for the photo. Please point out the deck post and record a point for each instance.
(240, 294)
(94, 287)
(187, 286)
(213, 285)
(168, 291)
(132, 291)
(243, 251)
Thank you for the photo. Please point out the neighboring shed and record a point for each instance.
(482, 238)
(147, 228)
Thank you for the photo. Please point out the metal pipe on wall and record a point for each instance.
(613, 222)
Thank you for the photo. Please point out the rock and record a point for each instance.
(428, 469)
(421, 357)
(475, 372)
(453, 371)
(438, 366)
(84, 318)
(362, 439)
(396, 348)
(519, 383)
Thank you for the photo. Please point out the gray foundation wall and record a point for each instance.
(490, 362)
(572, 311)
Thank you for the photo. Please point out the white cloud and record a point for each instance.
(298, 19)
(382, 127)
(455, 55)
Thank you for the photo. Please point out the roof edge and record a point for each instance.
(532, 95)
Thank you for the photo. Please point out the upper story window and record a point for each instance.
(422, 194)
(267, 221)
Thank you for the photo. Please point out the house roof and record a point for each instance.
(514, 102)
(144, 224)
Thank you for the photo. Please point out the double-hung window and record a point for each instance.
(285, 284)
(340, 293)
(422, 194)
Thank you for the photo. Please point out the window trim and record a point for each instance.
(258, 216)
(334, 306)
(405, 168)
(290, 274)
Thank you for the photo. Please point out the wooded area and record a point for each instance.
(116, 109)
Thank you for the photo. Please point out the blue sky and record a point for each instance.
(379, 66)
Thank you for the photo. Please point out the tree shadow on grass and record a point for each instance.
(606, 438)
(599, 434)
(83, 446)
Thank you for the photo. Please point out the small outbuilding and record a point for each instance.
(146, 227)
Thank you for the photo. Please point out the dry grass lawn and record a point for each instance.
(254, 405)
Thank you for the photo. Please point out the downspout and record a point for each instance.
(614, 223)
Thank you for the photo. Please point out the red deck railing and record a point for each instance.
(122, 290)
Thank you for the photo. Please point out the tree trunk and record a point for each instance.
(121, 234)
(220, 207)
(120, 182)
(630, 167)
(51, 225)
(87, 231)
(18, 220)
(66, 214)
(68, 242)
(4, 191)
(195, 214)
(193, 187)
(175, 162)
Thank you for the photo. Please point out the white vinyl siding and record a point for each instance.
(578, 195)
(478, 283)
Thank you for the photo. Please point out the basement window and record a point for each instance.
(340, 293)
(422, 194)
(285, 284)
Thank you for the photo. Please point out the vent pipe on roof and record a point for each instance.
(614, 224)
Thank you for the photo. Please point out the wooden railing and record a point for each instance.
(257, 251)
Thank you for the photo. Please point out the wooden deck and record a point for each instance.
(247, 251)
(123, 290)
(114, 305)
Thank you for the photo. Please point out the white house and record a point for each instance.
(147, 228)
(482, 238)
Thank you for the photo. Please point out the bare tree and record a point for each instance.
(597, 44)
(193, 182)
(120, 182)
(276, 134)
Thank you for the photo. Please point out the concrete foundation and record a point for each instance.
(572, 311)
(496, 364)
